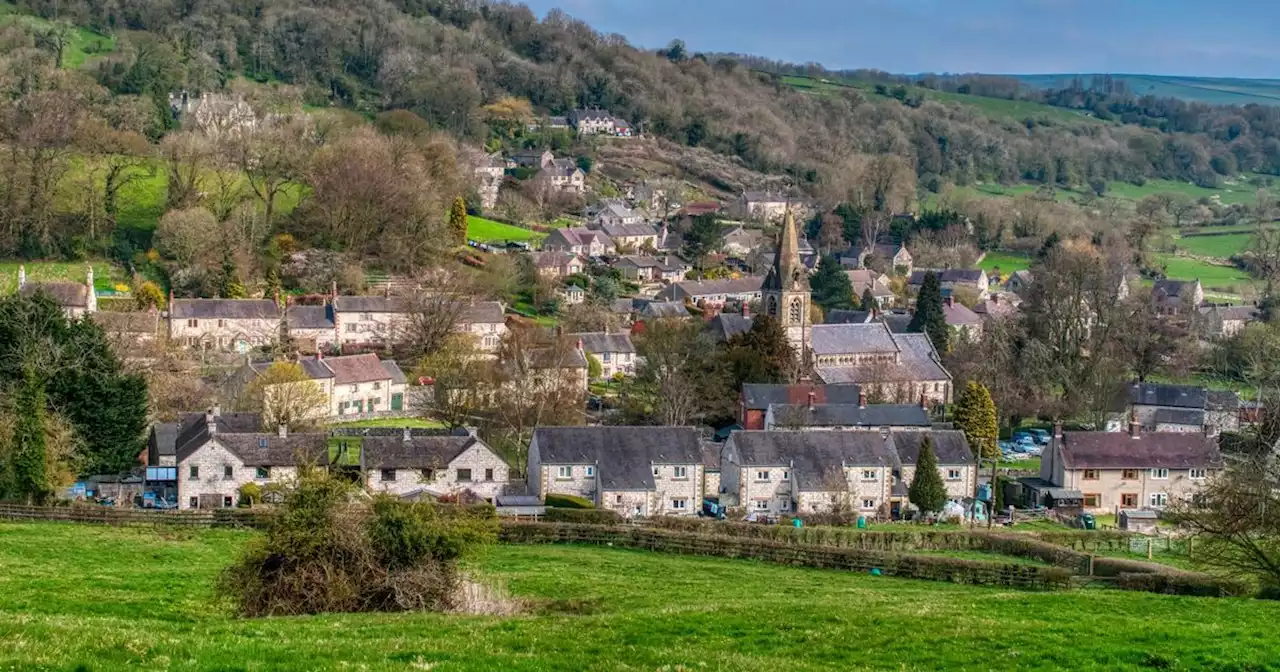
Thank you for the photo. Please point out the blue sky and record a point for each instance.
(1226, 38)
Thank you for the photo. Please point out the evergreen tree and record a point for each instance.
(25, 477)
(927, 491)
(928, 318)
(831, 286)
(762, 355)
(975, 414)
(869, 302)
(458, 221)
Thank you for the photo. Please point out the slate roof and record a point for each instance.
(482, 312)
(861, 279)
(1173, 288)
(697, 288)
(624, 456)
(885, 250)
(949, 446)
(659, 309)
(1231, 313)
(711, 455)
(1193, 417)
(760, 396)
(419, 452)
(957, 314)
(597, 342)
(851, 415)
(272, 450)
(897, 322)
(65, 294)
(996, 306)
(349, 369)
(553, 259)
(193, 429)
(394, 374)
(1149, 450)
(842, 316)
(1172, 396)
(590, 114)
(727, 325)
(131, 322)
(223, 309)
(163, 439)
(839, 339)
(371, 304)
(916, 361)
(309, 317)
(1222, 400)
(816, 459)
(573, 236)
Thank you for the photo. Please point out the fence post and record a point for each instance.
(1150, 543)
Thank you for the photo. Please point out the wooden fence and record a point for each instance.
(106, 515)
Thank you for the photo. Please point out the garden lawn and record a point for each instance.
(100, 598)
(484, 230)
(1007, 262)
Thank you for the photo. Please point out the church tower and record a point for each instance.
(785, 294)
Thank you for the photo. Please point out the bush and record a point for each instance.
(568, 502)
(584, 516)
(323, 553)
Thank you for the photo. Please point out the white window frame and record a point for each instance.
(868, 504)
(1159, 474)
(784, 504)
(564, 473)
(1198, 474)
(680, 504)
(680, 472)
(385, 472)
(761, 505)
(870, 475)
(786, 475)
(657, 472)
(1158, 499)
(953, 474)
(762, 476)
(591, 471)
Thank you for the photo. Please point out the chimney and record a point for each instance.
(210, 420)
(217, 410)
(995, 298)
(319, 355)
(408, 434)
(1135, 427)
(924, 403)
(1057, 430)
(579, 345)
(282, 430)
(277, 299)
(22, 275)
(862, 399)
(333, 290)
(812, 396)
(746, 309)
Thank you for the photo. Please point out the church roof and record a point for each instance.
(788, 273)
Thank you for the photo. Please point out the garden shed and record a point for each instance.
(1141, 521)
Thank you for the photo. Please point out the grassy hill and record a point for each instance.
(102, 598)
(83, 44)
(1212, 90)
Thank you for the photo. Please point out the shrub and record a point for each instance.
(323, 553)
(568, 502)
(585, 516)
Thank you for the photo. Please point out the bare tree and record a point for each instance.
(272, 157)
(680, 371)
(460, 382)
(188, 157)
(286, 395)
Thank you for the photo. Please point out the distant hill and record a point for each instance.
(1211, 90)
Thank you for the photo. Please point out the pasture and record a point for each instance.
(484, 230)
(102, 598)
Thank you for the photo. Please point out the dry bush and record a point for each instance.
(324, 553)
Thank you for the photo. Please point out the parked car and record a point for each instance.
(1024, 439)
(1040, 435)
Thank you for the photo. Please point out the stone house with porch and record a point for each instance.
(433, 466)
(565, 175)
(1172, 297)
(636, 471)
(956, 464)
(593, 121)
(953, 279)
(1127, 470)
(214, 460)
(557, 264)
(237, 325)
(615, 351)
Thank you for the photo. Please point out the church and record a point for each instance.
(890, 367)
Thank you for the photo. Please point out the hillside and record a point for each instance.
(591, 608)
(1209, 90)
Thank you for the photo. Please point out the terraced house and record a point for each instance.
(615, 351)
(355, 385)
(636, 471)
(237, 325)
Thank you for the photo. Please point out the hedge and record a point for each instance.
(1154, 578)
(585, 516)
(935, 568)
(568, 502)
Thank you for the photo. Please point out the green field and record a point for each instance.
(1233, 192)
(105, 276)
(83, 45)
(484, 230)
(1220, 278)
(1212, 90)
(1222, 247)
(1007, 262)
(100, 598)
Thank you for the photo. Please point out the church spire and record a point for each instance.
(787, 272)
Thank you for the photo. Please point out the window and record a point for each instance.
(786, 475)
(1129, 500)
(1091, 500)
(617, 499)
(870, 475)
(222, 323)
(193, 323)
(464, 475)
(353, 328)
(428, 474)
(1198, 474)
(488, 474)
(762, 505)
(193, 473)
(679, 504)
(388, 475)
(355, 388)
(194, 502)
(263, 472)
(377, 386)
(762, 475)
(1129, 474)
(868, 504)
(228, 502)
(591, 471)
(366, 317)
(953, 474)
(797, 311)
(1090, 474)
(262, 442)
(606, 356)
(680, 472)
(1159, 499)
(1160, 474)
(228, 471)
(784, 505)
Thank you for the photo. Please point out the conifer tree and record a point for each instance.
(868, 301)
(975, 414)
(831, 287)
(928, 318)
(458, 221)
(927, 491)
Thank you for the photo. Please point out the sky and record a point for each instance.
(1223, 38)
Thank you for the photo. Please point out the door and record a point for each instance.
(397, 401)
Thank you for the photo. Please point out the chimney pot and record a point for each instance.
(408, 434)
(995, 298)
(1057, 430)
(282, 430)
(812, 397)
(862, 399)
(923, 402)
(1135, 428)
